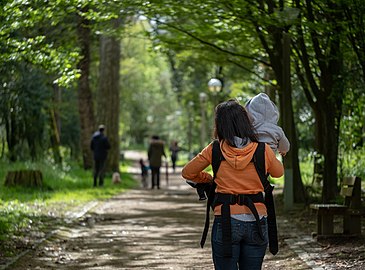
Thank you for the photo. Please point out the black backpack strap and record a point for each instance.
(226, 200)
(259, 161)
(217, 157)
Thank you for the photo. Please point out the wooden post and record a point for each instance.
(167, 172)
(352, 219)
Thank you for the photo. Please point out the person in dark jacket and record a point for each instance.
(155, 152)
(174, 149)
(100, 146)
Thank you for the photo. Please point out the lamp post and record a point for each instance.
(203, 99)
(190, 130)
(215, 86)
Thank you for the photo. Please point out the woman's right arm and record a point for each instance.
(194, 169)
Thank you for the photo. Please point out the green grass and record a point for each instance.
(39, 209)
(69, 182)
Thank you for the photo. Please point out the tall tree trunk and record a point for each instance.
(327, 126)
(176, 76)
(324, 97)
(330, 183)
(55, 125)
(12, 136)
(108, 96)
(294, 186)
(281, 68)
(291, 160)
(86, 111)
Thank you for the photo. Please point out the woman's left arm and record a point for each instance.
(273, 166)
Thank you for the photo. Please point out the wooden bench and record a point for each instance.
(350, 210)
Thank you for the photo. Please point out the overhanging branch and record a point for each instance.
(212, 45)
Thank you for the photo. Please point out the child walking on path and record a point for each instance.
(264, 116)
(144, 173)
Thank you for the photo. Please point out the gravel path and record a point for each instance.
(141, 229)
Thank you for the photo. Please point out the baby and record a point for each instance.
(265, 115)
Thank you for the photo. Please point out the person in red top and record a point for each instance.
(236, 175)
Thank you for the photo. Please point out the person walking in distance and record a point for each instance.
(100, 146)
(144, 172)
(155, 152)
(240, 228)
(174, 149)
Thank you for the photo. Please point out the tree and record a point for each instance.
(33, 59)
(272, 22)
(147, 98)
(232, 32)
(24, 110)
(85, 104)
(355, 22)
(321, 81)
(108, 93)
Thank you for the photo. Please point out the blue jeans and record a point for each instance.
(248, 249)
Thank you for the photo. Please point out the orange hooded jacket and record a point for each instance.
(236, 174)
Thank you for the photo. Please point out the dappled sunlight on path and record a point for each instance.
(140, 229)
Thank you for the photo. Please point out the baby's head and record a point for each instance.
(262, 109)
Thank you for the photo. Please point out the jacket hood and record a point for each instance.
(238, 158)
(262, 109)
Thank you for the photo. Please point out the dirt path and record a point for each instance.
(140, 229)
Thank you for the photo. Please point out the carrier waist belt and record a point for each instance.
(241, 199)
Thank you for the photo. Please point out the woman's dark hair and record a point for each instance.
(231, 119)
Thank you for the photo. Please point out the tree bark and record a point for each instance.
(324, 97)
(108, 95)
(25, 178)
(86, 111)
(281, 69)
(291, 160)
(55, 129)
(176, 76)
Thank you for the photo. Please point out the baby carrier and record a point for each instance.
(215, 199)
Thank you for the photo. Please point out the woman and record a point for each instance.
(236, 175)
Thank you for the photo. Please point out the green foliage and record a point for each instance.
(304, 120)
(24, 110)
(352, 163)
(58, 182)
(161, 79)
(147, 98)
(25, 37)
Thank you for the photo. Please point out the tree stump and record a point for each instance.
(25, 178)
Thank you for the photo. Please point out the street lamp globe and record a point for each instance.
(202, 97)
(215, 85)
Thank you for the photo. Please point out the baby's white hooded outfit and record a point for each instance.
(265, 115)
